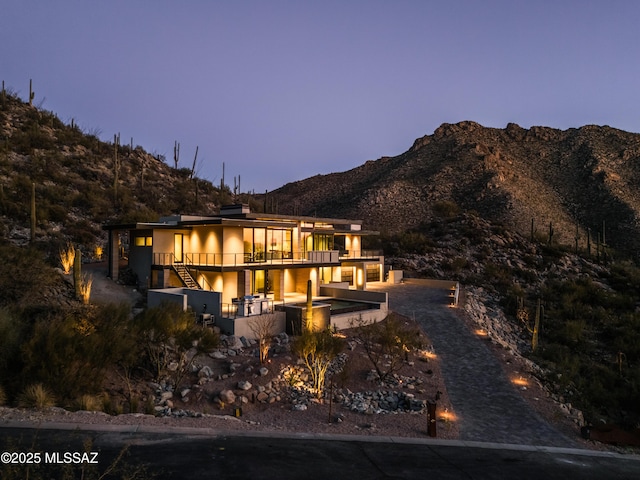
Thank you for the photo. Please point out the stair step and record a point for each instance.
(185, 276)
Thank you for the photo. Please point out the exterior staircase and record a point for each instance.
(185, 276)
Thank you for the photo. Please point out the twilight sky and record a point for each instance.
(283, 90)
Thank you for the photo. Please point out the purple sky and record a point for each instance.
(284, 90)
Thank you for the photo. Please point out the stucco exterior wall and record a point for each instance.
(241, 326)
(233, 243)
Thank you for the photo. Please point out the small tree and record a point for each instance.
(317, 350)
(387, 343)
(263, 327)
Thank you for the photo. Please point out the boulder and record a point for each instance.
(227, 396)
(244, 385)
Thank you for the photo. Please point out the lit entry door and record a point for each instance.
(177, 247)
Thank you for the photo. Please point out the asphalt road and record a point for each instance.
(191, 456)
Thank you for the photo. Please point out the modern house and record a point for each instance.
(252, 261)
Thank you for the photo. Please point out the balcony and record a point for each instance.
(360, 254)
(251, 259)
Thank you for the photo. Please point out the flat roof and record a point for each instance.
(240, 219)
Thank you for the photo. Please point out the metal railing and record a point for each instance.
(242, 259)
(361, 254)
(247, 308)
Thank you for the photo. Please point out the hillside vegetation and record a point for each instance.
(82, 182)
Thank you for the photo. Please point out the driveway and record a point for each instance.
(104, 290)
(487, 406)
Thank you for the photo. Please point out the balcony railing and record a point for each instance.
(249, 259)
(353, 254)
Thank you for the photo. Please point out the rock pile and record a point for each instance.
(380, 402)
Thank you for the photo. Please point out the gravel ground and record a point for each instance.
(318, 418)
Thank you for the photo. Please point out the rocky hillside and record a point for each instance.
(82, 182)
(573, 178)
(587, 350)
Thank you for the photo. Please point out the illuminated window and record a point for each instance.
(266, 244)
(143, 241)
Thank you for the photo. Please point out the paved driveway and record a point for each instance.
(487, 405)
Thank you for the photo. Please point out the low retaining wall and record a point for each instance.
(345, 320)
(357, 295)
(200, 301)
(241, 326)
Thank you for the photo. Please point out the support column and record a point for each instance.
(314, 275)
(278, 285)
(164, 278)
(244, 283)
(361, 276)
(113, 254)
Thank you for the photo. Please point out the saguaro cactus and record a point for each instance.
(77, 274)
(536, 327)
(32, 94)
(33, 212)
(116, 167)
(532, 230)
(176, 153)
(309, 312)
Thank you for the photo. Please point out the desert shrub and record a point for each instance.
(13, 330)
(190, 342)
(457, 264)
(165, 334)
(36, 396)
(71, 351)
(499, 276)
(387, 343)
(264, 328)
(407, 242)
(28, 277)
(3, 396)
(445, 209)
(317, 349)
(91, 403)
(84, 233)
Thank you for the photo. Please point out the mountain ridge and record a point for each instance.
(579, 177)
